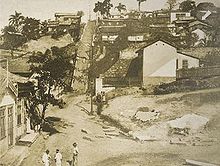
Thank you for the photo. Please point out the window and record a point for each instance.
(2, 122)
(185, 64)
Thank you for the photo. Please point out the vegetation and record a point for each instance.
(171, 4)
(103, 8)
(51, 70)
(120, 7)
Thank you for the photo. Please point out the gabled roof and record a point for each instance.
(179, 52)
(156, 40)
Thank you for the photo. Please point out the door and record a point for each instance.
(10, 126)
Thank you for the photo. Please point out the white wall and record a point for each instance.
(192, 62)
(158, 60)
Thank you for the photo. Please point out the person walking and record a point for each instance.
(58, 158)
(46, 158)
(75, 154)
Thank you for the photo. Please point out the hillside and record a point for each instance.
(46, 42)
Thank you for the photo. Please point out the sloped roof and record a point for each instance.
(119, 69)
(18, 65)
(12, 78)
(200, 52)
(197, 22)
(150, 42)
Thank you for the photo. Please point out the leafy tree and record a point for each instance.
(171, 4)
(16, 21)
(51, 70)
(139, 4)
(80, 13)
(103, 8)
(188, 6)
(31, 28)
(12, 39)
(120, 7)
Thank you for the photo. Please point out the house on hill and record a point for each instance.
(13, 122)
(156, 62)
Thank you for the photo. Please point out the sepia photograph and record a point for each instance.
(109, 82)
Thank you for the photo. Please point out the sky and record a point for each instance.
(45, 9)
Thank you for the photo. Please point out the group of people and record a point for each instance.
(46, 158)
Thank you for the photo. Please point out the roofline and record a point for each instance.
(188, 55)
(155, 42)
(201, 22)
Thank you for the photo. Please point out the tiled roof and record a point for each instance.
(119, 69)
(18, 65)
(12, 78)
(200, 52)
(197, 22)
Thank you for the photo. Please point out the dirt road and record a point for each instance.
(95, 149)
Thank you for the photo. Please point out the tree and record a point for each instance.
(139, 4)
(120, 7)
(51, 70)
(31, 28)
(80, 13)
(187, 6)
(16, 21)
(103, 8)
(12, 39)
(171, 4)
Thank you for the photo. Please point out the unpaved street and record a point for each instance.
(97, 149)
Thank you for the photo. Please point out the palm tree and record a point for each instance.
(103, 8)
(16, 20)
(139, 4)
(120, 7)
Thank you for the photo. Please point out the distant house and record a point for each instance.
(13, 122)
(179, 15)
(64, 21)
(156, 62)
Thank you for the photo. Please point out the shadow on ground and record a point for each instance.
(139, 159)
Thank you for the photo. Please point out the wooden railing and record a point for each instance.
(199, 72)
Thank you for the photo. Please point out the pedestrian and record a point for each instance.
(75, 154)
(58, 158)
(103, 97)
(99, 103)
(46, 158)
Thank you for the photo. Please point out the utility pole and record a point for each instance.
(92, 82)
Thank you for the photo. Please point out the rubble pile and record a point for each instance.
(190, 123)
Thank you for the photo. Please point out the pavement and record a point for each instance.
(14, 156)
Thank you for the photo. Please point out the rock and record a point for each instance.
(112, 134)
(198, 163)
(84, 131)
(100, 136)
(87, 138)
(111, 129)
(178, 142)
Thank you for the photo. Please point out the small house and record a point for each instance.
(13, 124)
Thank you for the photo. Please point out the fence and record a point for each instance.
(197, 73)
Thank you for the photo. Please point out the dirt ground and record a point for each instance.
(98, 149)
